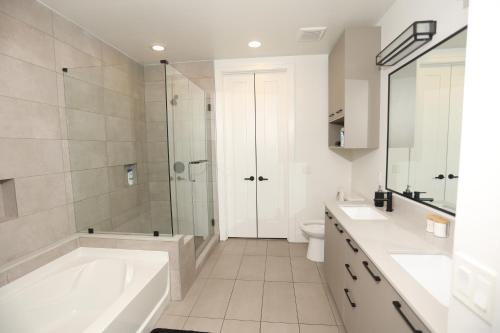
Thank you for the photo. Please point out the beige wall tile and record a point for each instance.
(30, 12)
(119, 129)
(29, 157)
(129, 221)
(23, 80)
(76, 36)
(91, 211)
(89, 183)
(87, 154)
(111, 56)
(117, 80)
(97, 242)
(155, 111)
(155, 92)
(157, 151)
(156, 131)
(121, 153)
(118, 105)
(123, 200)
(35, 194)
(29, 233)
(85, 125)
(160, 216)
(158, 171)
(83, 95)
(22, 119)
(117, 177)
(154, 73)
(159, 191)
(20, 40)
(72, 58)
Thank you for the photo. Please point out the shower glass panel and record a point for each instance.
(190, 156)
(107, 143)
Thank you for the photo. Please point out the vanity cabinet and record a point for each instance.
(334, 256)
(365, 299)
(354, 89)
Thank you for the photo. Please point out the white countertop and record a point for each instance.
(400, 233)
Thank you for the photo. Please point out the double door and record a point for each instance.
(256, 154)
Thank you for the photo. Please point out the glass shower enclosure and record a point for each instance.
(189, 128)
(140, 148)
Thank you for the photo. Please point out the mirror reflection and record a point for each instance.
(425, 114)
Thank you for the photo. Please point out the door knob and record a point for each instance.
(452, 176)
(251, 178)
(262, 178)
(440, 176)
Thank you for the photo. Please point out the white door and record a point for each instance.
(454, 133)
(271, 114)
(239, 147)
(431, 126)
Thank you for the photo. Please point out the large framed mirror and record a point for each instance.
(424, 125)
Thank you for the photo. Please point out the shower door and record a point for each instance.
(188, 157)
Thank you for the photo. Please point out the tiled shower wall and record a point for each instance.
(35, 139)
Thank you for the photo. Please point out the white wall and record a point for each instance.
(477, 233)
(368, 169)
(319, 171)
(315, 172)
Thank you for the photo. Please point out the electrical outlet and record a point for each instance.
(474, 285)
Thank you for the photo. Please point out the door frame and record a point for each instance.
(251, 65)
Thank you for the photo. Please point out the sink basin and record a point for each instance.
(432, 271)
(362, 213)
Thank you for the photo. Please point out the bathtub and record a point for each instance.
(89, 290)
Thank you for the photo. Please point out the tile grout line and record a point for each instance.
(263, 289)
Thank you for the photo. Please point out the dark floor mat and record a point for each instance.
(166, 330)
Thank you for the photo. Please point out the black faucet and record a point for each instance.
(388, 199)
(416, 196)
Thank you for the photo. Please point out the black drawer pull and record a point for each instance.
(346, 291)
(397, 305)
(348, 267)
(338, 229)
(352, 246)
(374, 276)
(328, 215)
(338, 111)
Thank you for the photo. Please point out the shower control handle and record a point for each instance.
(262, 178)
(251, 178)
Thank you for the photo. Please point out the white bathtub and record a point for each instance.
(89, 290)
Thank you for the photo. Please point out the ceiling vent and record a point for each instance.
(311, 34)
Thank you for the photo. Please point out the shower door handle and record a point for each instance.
(190, 178)
(190, 173)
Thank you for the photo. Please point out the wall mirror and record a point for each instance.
(424, 124)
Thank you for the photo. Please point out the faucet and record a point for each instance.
(416, 196)
(388, 199)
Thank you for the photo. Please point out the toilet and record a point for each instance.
(315, 231)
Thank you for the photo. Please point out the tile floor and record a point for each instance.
(249, 286)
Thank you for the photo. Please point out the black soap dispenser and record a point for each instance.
(408, 193)
(379, 194)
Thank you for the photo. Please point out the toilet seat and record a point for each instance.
(314, 229)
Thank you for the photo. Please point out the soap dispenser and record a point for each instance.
(379, 194)
(408, 193)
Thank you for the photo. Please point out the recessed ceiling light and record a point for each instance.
(255, 44)
(158, 47)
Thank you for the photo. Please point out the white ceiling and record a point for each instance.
(216, 29)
